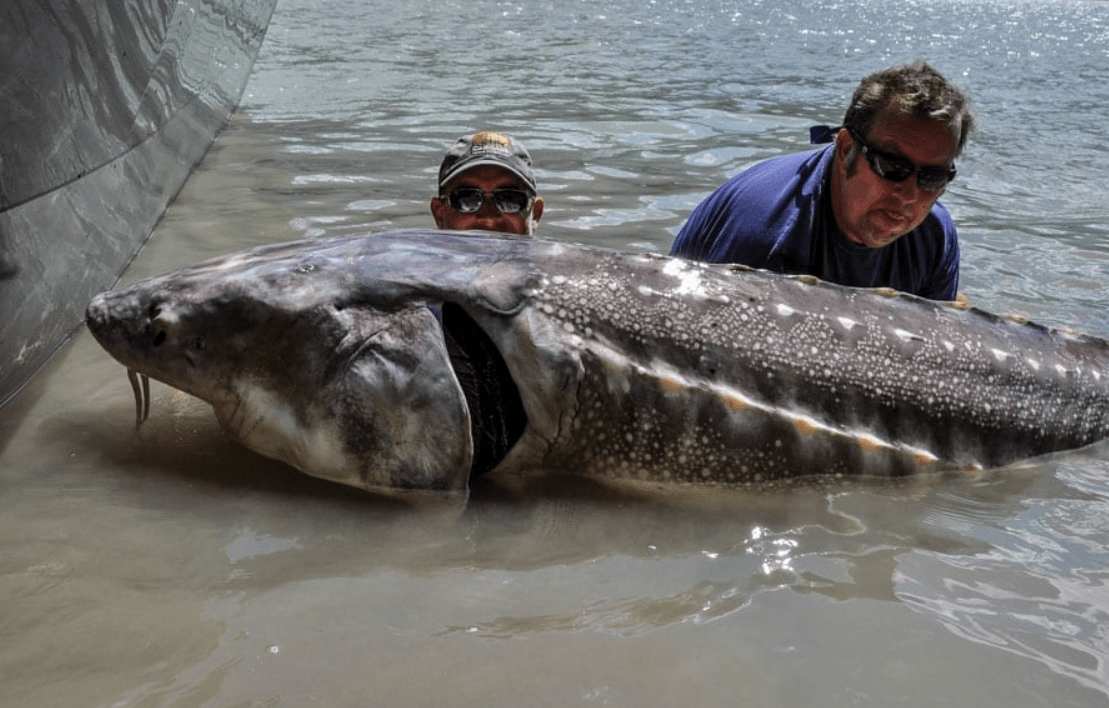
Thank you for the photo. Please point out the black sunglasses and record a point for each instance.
(898, 169)
(507, 199)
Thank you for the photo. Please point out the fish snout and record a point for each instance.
(120, 322)
(98, 315)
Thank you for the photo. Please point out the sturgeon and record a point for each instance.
(416, 360)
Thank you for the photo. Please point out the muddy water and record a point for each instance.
(170, 567)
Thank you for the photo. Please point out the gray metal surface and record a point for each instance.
(105, 108)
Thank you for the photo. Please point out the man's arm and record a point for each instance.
(695, 239)
(943, 282)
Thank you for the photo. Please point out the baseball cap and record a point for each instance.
(487, 149)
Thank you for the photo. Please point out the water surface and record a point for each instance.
(171, 567)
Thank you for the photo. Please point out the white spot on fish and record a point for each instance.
(847, 323)
(1000, 355)
(785, 310)
(689, 279)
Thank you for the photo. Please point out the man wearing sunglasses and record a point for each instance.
(863, 211)
(486, 182)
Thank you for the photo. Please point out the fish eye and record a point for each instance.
(159, 338)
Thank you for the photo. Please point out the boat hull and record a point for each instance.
(105, 109)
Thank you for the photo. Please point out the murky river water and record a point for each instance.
(171, 567)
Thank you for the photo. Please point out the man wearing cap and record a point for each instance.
(486, 182)
(866, 223)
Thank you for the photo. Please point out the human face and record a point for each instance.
(485, 178)
(873, 211)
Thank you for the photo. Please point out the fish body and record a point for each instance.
(414, 360)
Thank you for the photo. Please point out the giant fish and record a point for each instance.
(418, 360)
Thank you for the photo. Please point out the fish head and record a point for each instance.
(358, 393)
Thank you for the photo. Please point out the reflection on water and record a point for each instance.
(171, 567)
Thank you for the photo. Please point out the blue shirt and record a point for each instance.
(777, 215)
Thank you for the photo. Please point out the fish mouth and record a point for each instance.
(497, 414)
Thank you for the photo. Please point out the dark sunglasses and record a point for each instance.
(507, 199)
(898, 169)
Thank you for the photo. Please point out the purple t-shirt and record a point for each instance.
(777, 215)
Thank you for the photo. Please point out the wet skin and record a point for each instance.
(325, 355)
(873, 211)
